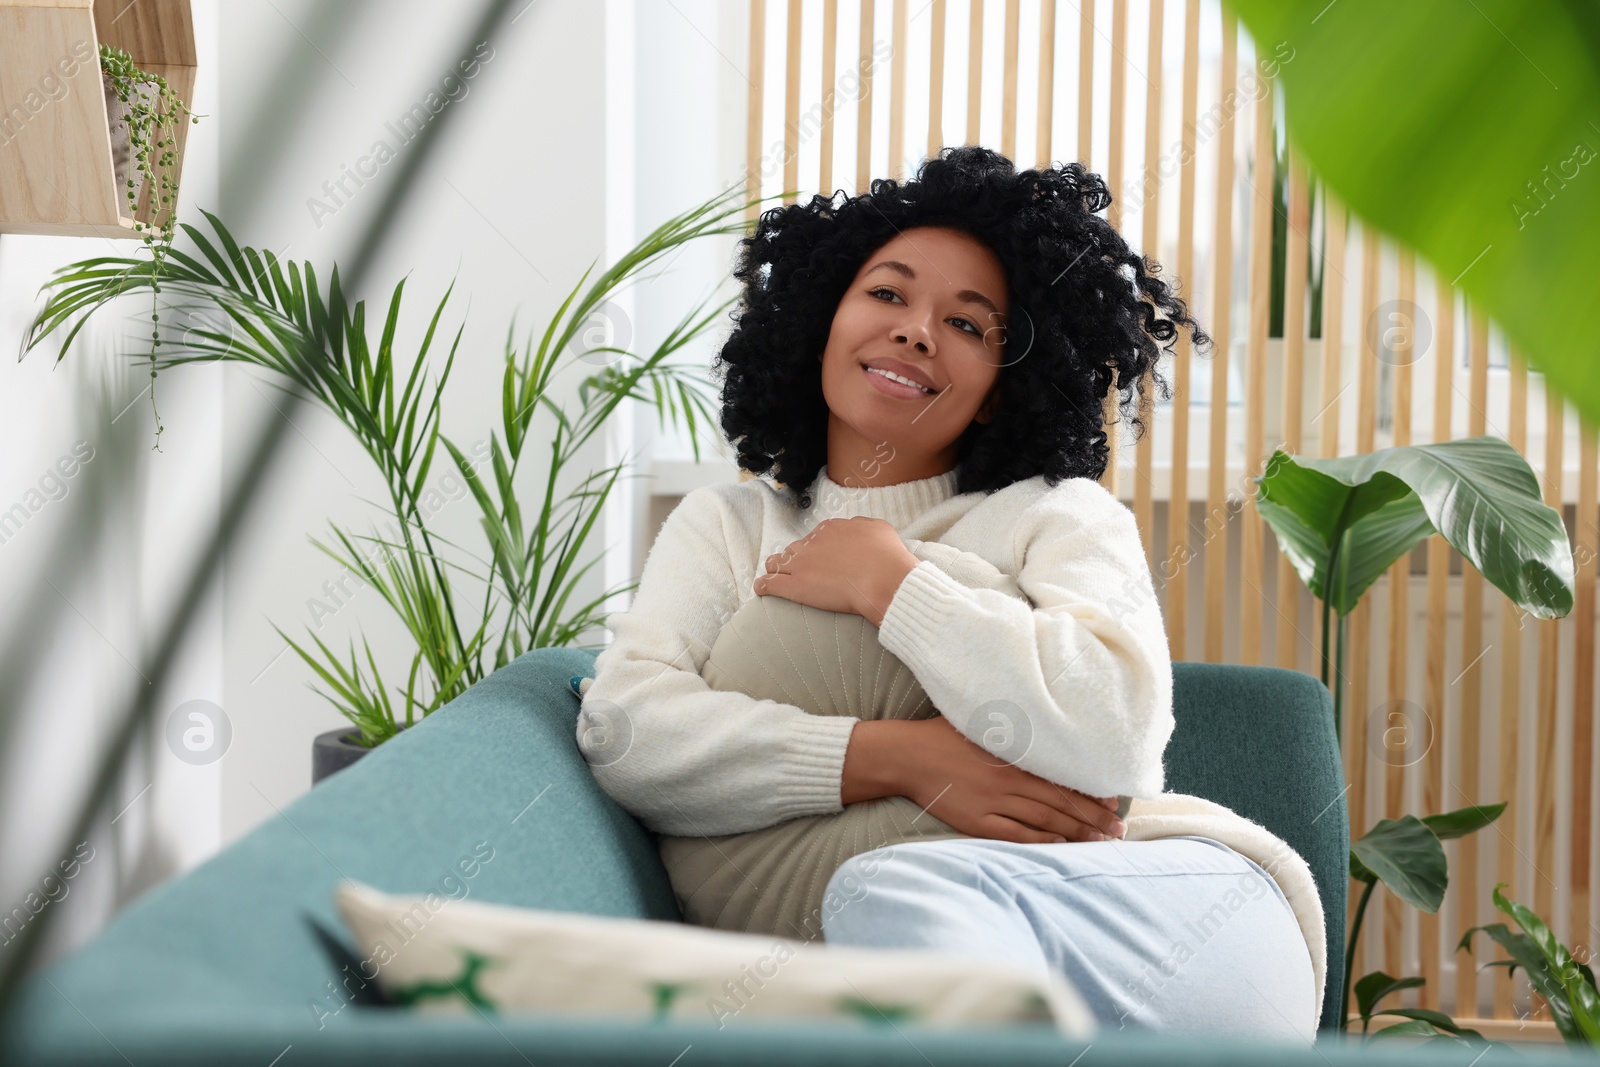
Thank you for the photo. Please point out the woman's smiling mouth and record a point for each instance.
(894, 385)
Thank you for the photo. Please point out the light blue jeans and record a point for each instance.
(1179, 934)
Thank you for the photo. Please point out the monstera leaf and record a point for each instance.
(1343, 522)
(1468, 131)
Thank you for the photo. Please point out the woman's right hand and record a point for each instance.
(977, 793)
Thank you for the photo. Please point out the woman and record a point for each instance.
(920, 369)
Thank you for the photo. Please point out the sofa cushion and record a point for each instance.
(489, 793)
(443, 956)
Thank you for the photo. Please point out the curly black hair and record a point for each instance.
(1081, 300)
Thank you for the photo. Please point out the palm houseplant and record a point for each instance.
(1342, 523)
(466, 613)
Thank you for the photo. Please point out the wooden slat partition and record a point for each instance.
(830, 65)
(1008, 93)
(1216, 527)
(1357, 662)
(1047, 81)
(1113, 170)
(1176, 586)
(1400, 725)
(897, 96)
(1250, 534)
(1332, 353)
(974, 72)
(1286, 603)
(1434, 750)
(752, 127)
(1336, 228)
(1143, 485)
(1508, 778)
(1435, 683)
(936, 81)
(1086, 78)
(1472, 654)
(865, 64)
(1580, 922)
(1108, 477)
(1119, 94)
(791, 105)
(1544, 832)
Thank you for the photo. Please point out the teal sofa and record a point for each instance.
(240, 961)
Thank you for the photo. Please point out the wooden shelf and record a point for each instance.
(55, 143)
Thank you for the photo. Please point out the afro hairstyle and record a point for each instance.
(1085, 308)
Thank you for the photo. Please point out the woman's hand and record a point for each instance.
(962, 784)
(852, 565)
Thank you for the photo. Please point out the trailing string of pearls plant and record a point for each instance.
(151, 110)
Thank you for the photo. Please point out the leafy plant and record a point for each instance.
(1466, 132)
(1566, 985)
(152, 116)
(277, 315)
(1420, 1022)
(1342, 523)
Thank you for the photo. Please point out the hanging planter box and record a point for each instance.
(57, 173)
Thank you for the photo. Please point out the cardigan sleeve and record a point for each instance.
(1072, 683)
(681, 757)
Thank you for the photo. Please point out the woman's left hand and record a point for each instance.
(852, 565)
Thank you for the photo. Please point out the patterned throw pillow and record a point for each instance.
(449, 954)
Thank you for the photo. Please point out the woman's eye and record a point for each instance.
(972, 326)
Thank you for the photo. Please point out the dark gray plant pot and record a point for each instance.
(334, 751)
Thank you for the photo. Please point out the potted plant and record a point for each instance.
(1343, 522)
(280, 316)
(144, 112)
(1567, 984)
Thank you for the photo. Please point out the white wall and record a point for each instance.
(691, 91)
(512, 208)
(110, 604)
(532, 183)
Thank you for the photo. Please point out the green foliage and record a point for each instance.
(1566, 985)
(153, 116)
(278, 315)
(1406, 856)
(1420, 1022)
(1344, 522)
(1466, 132)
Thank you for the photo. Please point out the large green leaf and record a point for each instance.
(1463, 821)
(1468, 131)
(1372, 988)
(1405, 855)
(1479, 493)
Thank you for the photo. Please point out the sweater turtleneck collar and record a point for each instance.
(897, 504)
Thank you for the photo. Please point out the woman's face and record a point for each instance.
(931, 305)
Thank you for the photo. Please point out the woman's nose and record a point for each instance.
(915, 332)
